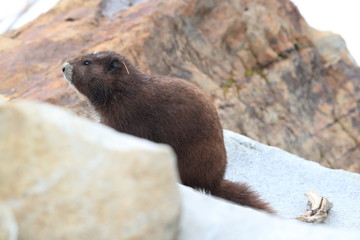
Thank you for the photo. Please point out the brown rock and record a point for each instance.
(279, 81)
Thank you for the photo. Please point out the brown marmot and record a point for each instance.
(164, 110)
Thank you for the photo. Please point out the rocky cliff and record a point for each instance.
(271, 76)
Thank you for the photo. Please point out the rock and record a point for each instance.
(331, 47)
(111, 7)
(8, 225)
(3, 99)
(69, 178)
(273, 78)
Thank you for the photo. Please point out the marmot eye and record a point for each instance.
(86, 63)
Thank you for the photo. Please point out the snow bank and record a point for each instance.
(281, 179)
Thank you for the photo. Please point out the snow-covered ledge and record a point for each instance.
(281, 179)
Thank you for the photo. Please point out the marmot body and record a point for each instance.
(164, 110)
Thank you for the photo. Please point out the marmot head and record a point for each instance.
(100, 75)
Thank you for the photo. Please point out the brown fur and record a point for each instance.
(164, 110)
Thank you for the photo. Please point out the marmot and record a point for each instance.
(164, 110)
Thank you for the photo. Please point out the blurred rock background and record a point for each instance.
(271, 76)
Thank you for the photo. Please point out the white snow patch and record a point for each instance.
(282, 179)
(14, 15)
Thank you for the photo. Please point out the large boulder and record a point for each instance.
(65, 177)
(271, 76)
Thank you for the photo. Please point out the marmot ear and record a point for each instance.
(114, 64)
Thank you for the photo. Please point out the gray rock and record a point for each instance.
(331, 47)
(111, 7)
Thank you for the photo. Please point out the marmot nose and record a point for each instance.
(63, 69)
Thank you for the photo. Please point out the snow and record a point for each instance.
(11, 15)
(208, 218)
(281, 179)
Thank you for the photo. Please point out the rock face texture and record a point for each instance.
(271, 76)
(68, 178)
